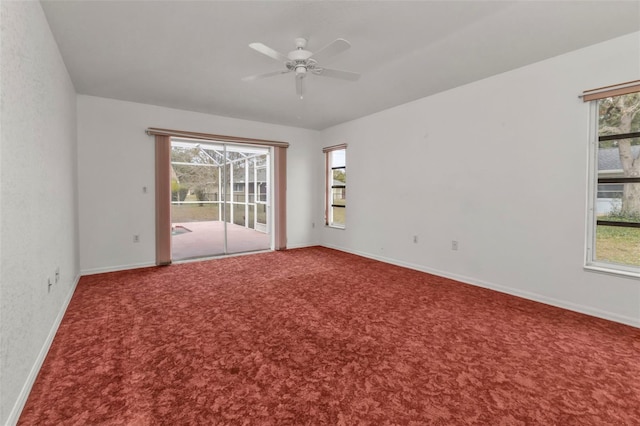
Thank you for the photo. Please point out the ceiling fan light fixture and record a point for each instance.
(301, 70)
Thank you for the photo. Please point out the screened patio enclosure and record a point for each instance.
(220, 198)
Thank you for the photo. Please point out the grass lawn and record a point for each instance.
(182, 213)
(618, 245)
(193, 212)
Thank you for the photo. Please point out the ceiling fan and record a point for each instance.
(303, 62)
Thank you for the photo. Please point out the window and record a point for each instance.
(613, 242)
(336, 186)
(610, 191)
(163, 184)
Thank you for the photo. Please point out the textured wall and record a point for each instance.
(499, 165)
(38, 226)
(116, 160)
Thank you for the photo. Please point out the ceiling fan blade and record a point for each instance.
(266, 50)
(300, 86)
(265, 75)
(330, 50)
(344, 75)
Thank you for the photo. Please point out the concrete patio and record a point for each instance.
(206, 239)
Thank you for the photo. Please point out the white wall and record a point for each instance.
(116, 160)
(499, 165)
(38, 226)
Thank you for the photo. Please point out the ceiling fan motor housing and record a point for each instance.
(299, 55)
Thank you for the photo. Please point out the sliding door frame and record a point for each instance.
(163, 186)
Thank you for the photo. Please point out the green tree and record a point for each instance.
(196, 170)
(178, 192)
(621, 115)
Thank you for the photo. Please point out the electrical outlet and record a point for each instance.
(144, 189)
(136, 238)
(454, 245)
(313, 224)
(415, 239)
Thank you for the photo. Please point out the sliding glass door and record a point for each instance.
(220, 198)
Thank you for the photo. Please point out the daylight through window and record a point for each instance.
(614, 214)
(336, 186)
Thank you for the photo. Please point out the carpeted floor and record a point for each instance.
(314, 336)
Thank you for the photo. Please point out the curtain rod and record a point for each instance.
(612, 90)
(153, 131)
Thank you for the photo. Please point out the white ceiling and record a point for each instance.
(192, 55)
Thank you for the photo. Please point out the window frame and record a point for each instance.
(591, 263)
(329, 186)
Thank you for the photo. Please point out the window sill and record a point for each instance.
(335, 227)
(620, 272)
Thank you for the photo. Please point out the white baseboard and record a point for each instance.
(14, 415)
(93, 271)
(303, 245)
(587, 310)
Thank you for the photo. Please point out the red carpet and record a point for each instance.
(315, 336)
